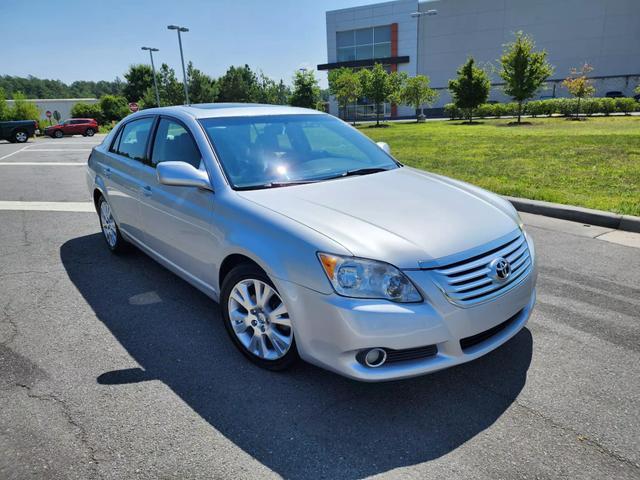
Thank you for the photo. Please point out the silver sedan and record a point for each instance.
(314, 240)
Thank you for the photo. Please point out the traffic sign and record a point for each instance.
(48, 113)
(133, 106)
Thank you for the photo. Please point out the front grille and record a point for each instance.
(468, 281)
(410, 353)
(469, 342)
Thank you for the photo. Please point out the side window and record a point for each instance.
(173, 143)
(133, 139)
(116, 142)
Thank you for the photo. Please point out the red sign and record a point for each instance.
(48, 113)
(133, 106)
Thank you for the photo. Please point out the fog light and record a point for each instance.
(375, 357)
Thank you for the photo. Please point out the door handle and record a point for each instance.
(146, 191)
(107, 172)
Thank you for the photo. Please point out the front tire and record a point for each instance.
(90, 132)
(58, 134)
(20, 136)
(110, 231)
(256, 318)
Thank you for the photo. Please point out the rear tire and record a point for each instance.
(90, 132)
(58, 134)
(266, 336)
(110, 231)
(20, 136)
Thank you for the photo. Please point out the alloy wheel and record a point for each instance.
(108, 224)
(259, 319)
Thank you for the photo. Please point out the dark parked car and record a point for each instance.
(614, 94)
(74, 126)
(18, 131)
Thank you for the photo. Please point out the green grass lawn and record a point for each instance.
(593, 163)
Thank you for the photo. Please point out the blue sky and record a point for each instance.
(97, 40)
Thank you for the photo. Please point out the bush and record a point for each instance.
(87, 110)
(608, 105)
(485, 110)
(23, 110)
(626, 105)
(591, 105)
(452, 111)
(536, 108)
(114, 108)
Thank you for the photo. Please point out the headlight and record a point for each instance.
(361, 278)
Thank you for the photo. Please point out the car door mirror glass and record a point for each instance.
(182, 174)
(384, 146)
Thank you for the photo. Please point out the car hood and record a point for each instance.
(401, 216)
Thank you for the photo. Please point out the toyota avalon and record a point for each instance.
(314, 240)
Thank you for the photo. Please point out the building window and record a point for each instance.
(364, 43)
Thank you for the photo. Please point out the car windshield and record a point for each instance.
(278, 150)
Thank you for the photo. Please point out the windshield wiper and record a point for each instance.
(286, 183)
(363, 171)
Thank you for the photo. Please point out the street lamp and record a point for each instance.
(184, 72)
(417, 15)
(153, 69)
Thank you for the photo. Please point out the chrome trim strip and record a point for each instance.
(473, 252)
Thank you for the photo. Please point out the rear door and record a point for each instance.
(123, 171)
(177, 220)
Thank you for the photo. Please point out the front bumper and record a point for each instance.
(331, 330)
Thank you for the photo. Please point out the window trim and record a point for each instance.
(152, 138)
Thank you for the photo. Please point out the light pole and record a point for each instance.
(417, 15)
(184, 72)
(153, 70)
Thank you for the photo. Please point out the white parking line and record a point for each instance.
(48, 206)
(58, 150)
(48, 164)
(13, 153)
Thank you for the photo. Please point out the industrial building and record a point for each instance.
(435, 37)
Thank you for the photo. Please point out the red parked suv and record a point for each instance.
(74, 126)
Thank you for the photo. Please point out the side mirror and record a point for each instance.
(182, 174)
(384, 146)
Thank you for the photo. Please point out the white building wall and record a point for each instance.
(62, 105)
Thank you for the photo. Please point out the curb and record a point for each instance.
(600, 218)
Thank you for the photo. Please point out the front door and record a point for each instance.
(177, 220)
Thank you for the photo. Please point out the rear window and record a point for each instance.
(132, 139)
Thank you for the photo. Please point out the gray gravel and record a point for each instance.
(112, 367)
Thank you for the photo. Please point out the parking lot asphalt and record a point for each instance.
(113, 367)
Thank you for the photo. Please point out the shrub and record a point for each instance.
(591, 105)
(626, 105)
(113, 107)
(608, 105)
(452, 111)
(87, 110)
(536, 108)
(485, 110)
(23, 110)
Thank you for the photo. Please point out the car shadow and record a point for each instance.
(301, 423)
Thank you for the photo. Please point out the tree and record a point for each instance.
(113, 108)
(579, 85)
(271, 92)
(22, 109)
(238, 84)
(470, 89)
(379, 87)
(306, 92)
(171, 91)
(523, 69)
(344, 85)
(416, 92)
(637, 90)
(4, 107)
(202, 88)
(139, 78)
(87, 110)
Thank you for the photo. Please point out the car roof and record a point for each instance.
(216, 110)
